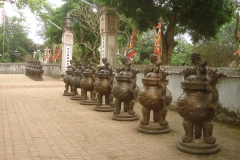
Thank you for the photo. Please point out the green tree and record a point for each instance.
(85, 25)
(182, 53)
(201, 19)
(144, 45)
(16, 41)
(38, 7)
(5, 58)
(37, 56)
(219, 51)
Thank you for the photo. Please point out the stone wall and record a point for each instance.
(52, 70)
(229, 87)
(12, 68)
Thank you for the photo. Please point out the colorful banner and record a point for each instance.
(53, 53)
(3, 14)
(46, 57)
(158, 42)
(238, 51)
(131, 51)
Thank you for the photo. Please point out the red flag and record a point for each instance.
(59, 53)
(158, 42)
(238, 51)
(131, 51)
(3, 14)
(46, 54)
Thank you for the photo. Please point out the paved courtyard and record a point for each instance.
(38, 122)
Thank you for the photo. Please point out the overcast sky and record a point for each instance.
(32, 23)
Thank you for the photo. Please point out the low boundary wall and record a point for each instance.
(228, 87)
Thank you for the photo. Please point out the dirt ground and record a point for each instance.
(38, 122)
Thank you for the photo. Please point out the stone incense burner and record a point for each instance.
(67, 79)
(34, 70)
(76, 80)
(103, 87)
(198, 105)
(124, 92)
(87, 85)
(156, 97)
(76, 84)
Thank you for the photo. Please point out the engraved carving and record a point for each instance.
(155, 96)
(199, 103)
(124, 91)
(111, 23)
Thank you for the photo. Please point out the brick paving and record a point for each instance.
(38, 123)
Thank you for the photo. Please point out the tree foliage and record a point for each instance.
(37, 7)
(182, 53)
(85, 25)
(219, 51)
(16, 41)
(144, 45)
(202, 19)
(5, 58)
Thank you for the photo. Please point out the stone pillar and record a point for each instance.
(67, 44)
(108, 31)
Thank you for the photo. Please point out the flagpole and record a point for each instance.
(3, 33)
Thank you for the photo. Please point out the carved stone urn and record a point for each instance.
(154, 96)
(76, 84)
(124, 92)
(67, 79)
(27, 68)
(38, 71)
(103, 87)
(198, 105)
(30, 68)
(87, 85)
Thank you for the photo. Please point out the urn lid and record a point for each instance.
(103, 73)
(76, 72)
(194, 78)
(195, 82)
(124, 76)
(153, 78)
(87, 73)
(152, 75)
(69, 70)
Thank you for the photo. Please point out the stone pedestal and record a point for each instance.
(104, 108)
(198, 146)
(125, 116)
(153, 128)
(88, 102)
(76, 97)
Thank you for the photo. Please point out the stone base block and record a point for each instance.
(104, 108)
(88, 102)
(77, 97)
(198, 146)
(125, 116)
(67, 94)
(38, 79)
(153, 128)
